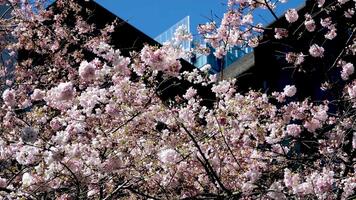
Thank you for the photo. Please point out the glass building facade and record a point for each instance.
(168, 35)
(201, 60)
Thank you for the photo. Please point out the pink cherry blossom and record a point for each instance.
(87, 71)
(61, 96)
(312, 125)
(349, 13)
(27, 155)
(294, 58)
(38, 95)
(63, 92)
(321, 3)
(253, 42)
(351, 92)
(280, 33)
(27, 179)
(3, 180)
(316, 51)
(289, 90)
(325, 22)
(182, 34)
(168, 156)
(343, 1)
(349, 187)
(291, 15)
(290, 180)
(293, 130)
(309, 23)
(191, 92)
(331, 34)
(347, 70)
(9, 97)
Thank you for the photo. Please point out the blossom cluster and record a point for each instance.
(80, 120)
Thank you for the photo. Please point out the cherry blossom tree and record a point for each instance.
(82, 121)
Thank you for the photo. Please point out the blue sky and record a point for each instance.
(155, 16)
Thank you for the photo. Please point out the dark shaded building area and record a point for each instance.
(267, 69)
(125, 37)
